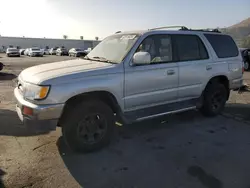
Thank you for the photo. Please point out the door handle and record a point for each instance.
(170, 72)
(209, 67)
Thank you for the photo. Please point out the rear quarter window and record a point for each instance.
(223, 45)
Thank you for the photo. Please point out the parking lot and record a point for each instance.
(177, 151)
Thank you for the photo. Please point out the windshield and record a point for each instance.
(114, 48)
(78, 49)
(12, 50)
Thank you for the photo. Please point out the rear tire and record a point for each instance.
(88, 126)
(215, 97)
(1, 66)
(246, 66)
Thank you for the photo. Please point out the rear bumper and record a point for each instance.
(43, 118)
(236, 84)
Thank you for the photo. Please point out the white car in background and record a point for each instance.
(88, 50)
(35, 52)
(26, 51)
(45, 51)
(10, 52)
(52, 51)
(77, 52)
(21, 51)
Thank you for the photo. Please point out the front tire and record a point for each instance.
(88, 126)
(215, 97)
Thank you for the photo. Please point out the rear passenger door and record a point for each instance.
(193, 62)
(226, 56)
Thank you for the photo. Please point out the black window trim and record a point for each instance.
(174, 57)
(198, 39)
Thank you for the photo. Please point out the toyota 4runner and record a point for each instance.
(130, 76)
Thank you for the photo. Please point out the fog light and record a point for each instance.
(27, 111)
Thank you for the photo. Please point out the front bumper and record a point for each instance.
(43, 118)
(13, 55)
(36, 54)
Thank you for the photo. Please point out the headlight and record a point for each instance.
(35, 92)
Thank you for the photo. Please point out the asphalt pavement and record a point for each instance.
(184, 150)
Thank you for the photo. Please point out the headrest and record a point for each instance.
(165, 43)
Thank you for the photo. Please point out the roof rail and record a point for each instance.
(169, 27)
(203, 30)
(117, 32)
(183, 28)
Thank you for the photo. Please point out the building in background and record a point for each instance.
(22, 42)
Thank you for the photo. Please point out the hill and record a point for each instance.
(240, 31)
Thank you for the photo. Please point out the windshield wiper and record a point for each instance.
(103, 59)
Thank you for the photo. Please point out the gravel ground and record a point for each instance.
(180, 151)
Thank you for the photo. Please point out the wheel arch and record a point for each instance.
(219, 79)
(105, 96)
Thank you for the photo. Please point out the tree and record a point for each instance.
(81, 37)
(65, 36)
(96, 38)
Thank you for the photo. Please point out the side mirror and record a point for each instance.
(141, 58)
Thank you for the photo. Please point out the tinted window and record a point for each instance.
(190, 47)
(223, 45)
(159, 47)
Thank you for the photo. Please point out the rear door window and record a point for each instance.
(223, 45)
(189, 48)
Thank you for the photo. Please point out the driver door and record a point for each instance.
(153, 84)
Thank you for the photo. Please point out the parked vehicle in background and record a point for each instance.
(26, 51)
(134, 75)
(1, 66)
(77, 52)
(62, 51)
(88, 50)
(12, 52)
(21, 51)
(52, 51)
(245, 52)
(45, 51)
(35, 52)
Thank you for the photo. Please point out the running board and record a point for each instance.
(160, 110)
(166, 113)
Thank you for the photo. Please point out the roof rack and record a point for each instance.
(169, 27)
(184, 28)
(203, 30)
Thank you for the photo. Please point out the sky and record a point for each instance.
(91, 18)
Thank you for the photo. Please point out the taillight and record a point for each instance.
(243, 69)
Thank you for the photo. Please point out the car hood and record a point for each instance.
(12, 51)
(41, 73)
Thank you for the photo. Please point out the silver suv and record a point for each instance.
(130, 76)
